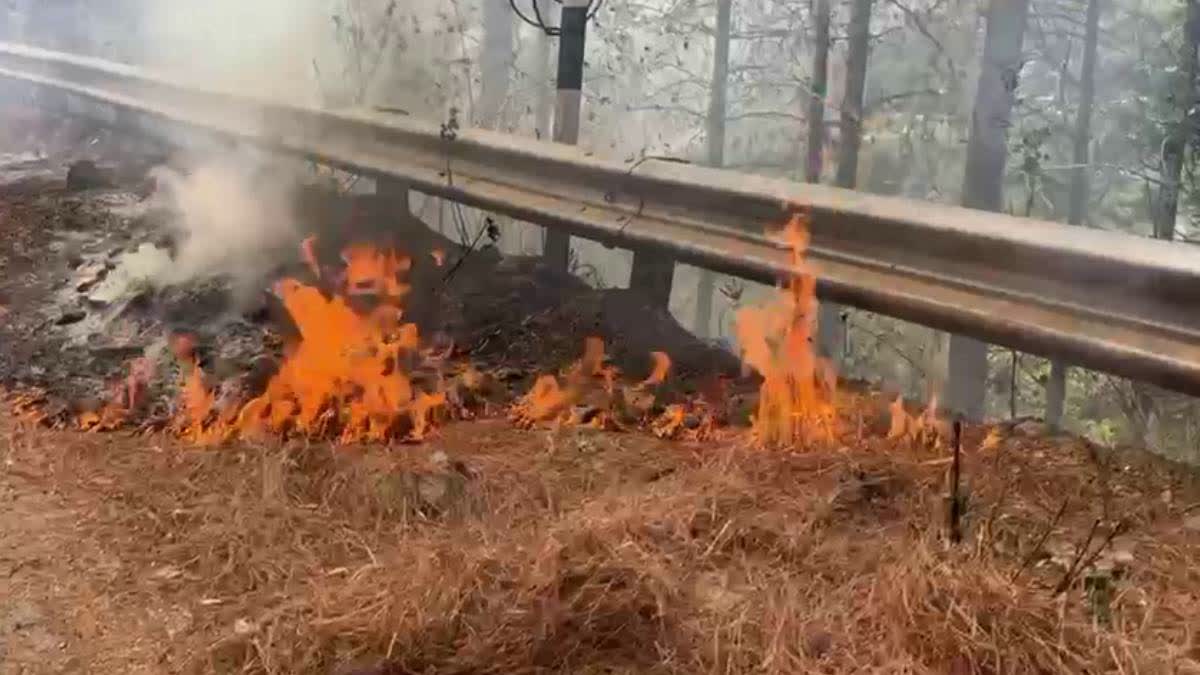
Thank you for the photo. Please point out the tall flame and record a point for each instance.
(795, 403)
(346, 375)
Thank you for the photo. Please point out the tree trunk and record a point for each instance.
(831, 336)
(852, 103)
(983, 182)
(1056, 386)
(1175, 147)
(820, 85)
(496, 61)
(717, 104)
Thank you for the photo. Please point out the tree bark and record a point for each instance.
(831, 336)
(496, 61)
(983, 182)
(717, 105)
(1175, 147)
(852, 103)
(820, 85)
(1077, 205)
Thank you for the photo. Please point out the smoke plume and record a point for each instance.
(229, 218)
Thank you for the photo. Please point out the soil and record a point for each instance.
(493, 549)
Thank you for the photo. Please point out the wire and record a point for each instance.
(595, 10)
(540, 23)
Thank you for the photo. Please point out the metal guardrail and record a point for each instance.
(1098, 299)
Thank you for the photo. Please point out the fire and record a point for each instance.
(588, 394)
(924, 429)
(348, 377)
(125, 396)
(550, 401)
(662, 366)
(345, 377)
(370, 271)
(795, 403)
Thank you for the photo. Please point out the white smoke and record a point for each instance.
(229, 218)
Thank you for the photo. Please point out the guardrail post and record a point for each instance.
(652, 275)
(572, 36)
(394, 193)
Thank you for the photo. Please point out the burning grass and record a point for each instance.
(357, 370)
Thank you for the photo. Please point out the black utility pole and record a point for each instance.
(572, 34)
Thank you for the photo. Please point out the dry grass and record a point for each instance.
(499, 551)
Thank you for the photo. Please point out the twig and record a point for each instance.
(1073, 572)
(1037, 548)
(466, 254)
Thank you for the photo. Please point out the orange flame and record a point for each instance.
(344, 378)
(123, 398)
(375, 272)
(550, 401)
(795, 403)
(658, 374)
(924, 428)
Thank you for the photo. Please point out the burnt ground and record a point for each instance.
(72, 326)
(490, 549)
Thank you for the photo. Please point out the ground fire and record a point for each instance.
(348, 376)
(796, 401)
(537, 483)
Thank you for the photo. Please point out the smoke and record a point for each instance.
(231, 217)
(266, 48)
(232, 212)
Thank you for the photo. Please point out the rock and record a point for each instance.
(70, 316)
(1192, 523)
(1032, 429)
(88, 276)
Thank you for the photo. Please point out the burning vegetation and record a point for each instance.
(356, 371)
(533, 539)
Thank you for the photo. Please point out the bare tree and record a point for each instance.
(1077, 206)
(820, 85)
(983, 180)
(852, 104)
(830, 327)
(1175, 146)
